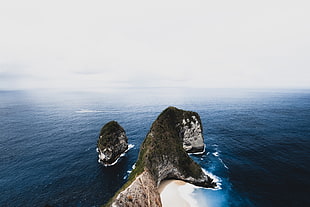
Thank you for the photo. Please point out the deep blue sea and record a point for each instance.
(257, 144)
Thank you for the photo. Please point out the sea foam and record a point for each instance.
(130, 146)
(216, 154)
(215, 179)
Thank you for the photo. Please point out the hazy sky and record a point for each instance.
(99, 44)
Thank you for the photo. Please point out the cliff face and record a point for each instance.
(141, 192)
(112, 143)
(162, 155)
(190, 131)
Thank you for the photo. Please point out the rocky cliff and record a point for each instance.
(112, 143)
(162, 156)
(141, 192)
(189, 126)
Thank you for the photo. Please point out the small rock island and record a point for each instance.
(112, 143)
(163, 155)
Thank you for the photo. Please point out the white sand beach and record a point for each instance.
(177, 193)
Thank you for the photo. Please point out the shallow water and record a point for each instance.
(257, 144)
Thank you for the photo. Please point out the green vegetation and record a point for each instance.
(109, 128)
(163, 143)
(109, 133)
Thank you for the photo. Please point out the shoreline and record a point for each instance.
(130, 146)
(177, 193)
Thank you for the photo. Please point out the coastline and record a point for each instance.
(177, 193)
(130, 146)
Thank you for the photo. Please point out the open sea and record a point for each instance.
(257, 144)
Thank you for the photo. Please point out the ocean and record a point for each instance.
(257, 144)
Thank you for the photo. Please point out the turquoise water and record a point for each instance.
(257, 144)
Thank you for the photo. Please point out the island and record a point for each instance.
(112, 143)
(163, 156)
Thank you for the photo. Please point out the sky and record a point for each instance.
(104, 44)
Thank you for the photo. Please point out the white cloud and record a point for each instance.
(101, 44)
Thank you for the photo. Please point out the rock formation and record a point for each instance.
(189, 126)
(112, 143)
(161, 157)
(141, 192)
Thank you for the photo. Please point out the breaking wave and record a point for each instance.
(130, 146)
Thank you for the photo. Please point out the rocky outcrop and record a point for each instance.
(163, 154)
(141, 192)
(189, 126)
(162, 157)
(112, 143)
